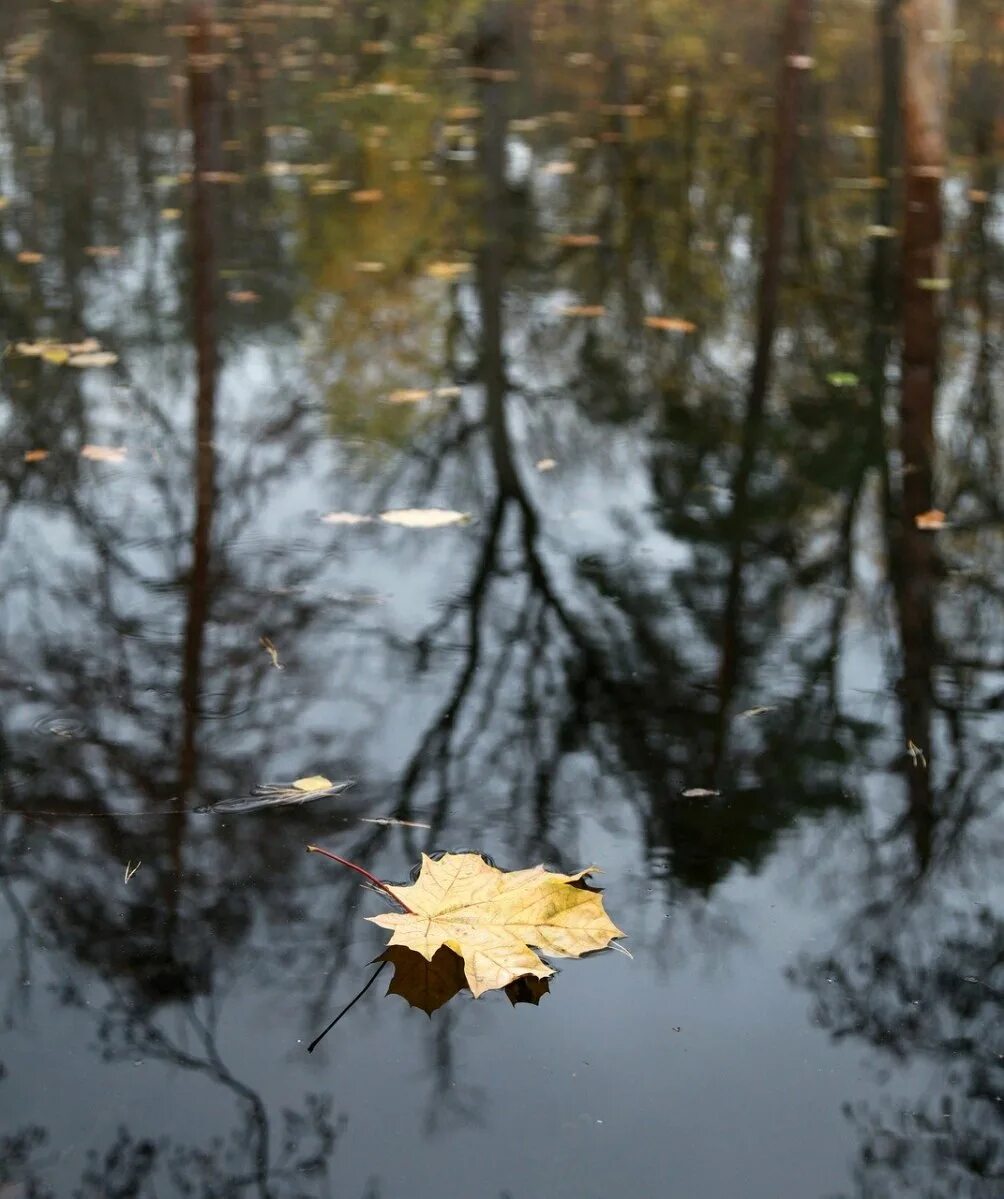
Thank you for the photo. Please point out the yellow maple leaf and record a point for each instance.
(490, 918)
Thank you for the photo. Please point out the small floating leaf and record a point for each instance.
(578, 240)
(96, 358)
(842, 379)
(586, 311)
(545, 464)
(371, 195)
(930, 520)
(408, 395)
(36, 455)
(313, 782)
(423, 518)
(672, 324)
(103, 453)
(447, 270)
(346, 518)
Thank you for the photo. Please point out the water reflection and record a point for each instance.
(729, 528)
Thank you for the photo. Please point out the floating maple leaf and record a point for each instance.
(489, 918)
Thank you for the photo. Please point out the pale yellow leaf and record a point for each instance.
(447, 270)
(490, 918)
(96, 358)
(409, 395)
(423, 518)
(345, 518)
(103, 453)
(372, 195)
(313, 782)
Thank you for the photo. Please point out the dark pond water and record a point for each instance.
(624, 290)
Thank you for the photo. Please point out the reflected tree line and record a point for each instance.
(733, 575)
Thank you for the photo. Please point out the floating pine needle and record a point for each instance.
(917, 754)
(268, 645)
(755, 712)
(700, 793)
(393, 821)
(130, 870)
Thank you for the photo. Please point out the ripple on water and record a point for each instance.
(219, 705)
(55, 725)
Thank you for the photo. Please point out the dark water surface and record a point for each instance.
(359, 258)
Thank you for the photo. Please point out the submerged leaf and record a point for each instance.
(490, 918)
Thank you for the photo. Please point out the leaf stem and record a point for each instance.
(318, 1039)
(359, 870)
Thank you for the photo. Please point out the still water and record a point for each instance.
(271, 272)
